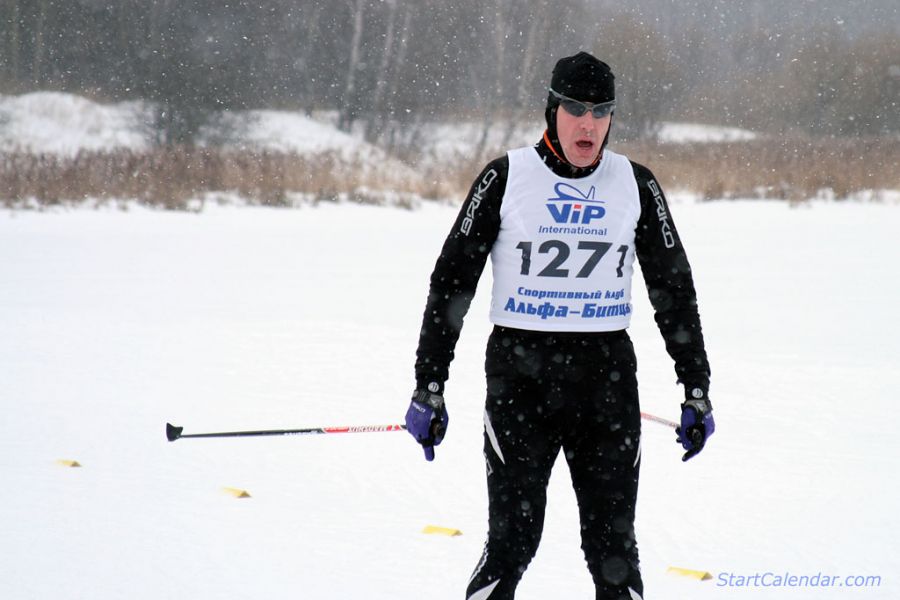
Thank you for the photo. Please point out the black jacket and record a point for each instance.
(663, 261)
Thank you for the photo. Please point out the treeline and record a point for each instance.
(386, 66)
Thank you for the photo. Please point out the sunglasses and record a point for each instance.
(577, 108)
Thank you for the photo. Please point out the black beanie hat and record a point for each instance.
(582, 77)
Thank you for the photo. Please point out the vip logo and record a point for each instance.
(571, 205)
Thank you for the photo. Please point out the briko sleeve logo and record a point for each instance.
(662, 215)
(486, 181)
(571, 205)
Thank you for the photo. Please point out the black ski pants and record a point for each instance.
(550, 391)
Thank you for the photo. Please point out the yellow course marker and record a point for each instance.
(68, 463)
(690, 573)
(237, 493)
(441, 530)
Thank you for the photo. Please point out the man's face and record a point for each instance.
(581, 137)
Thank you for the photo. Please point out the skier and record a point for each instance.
(562, 221)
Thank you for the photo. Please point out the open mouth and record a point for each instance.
(584, 144)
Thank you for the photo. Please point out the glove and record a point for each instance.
(426, 420)
(697, 424)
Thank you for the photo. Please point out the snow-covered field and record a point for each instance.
(113, 323)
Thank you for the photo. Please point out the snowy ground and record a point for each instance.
(113, 323)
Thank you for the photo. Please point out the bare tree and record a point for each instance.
(348, 100)
(39, 50)
(499, 37)
(306, 55)
(394, 87)
(376, 119)
(13, 39)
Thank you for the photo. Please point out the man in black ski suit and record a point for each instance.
(563, 221)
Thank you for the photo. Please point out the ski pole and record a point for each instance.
(659, 420)
(173, 433)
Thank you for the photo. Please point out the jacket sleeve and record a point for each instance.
(670, 284)
(456, 275)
